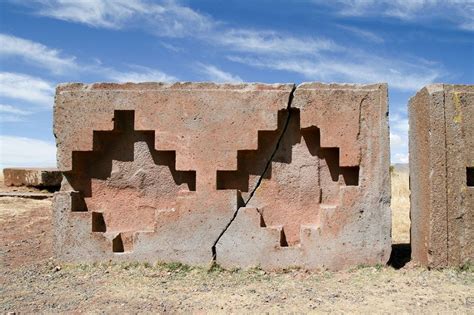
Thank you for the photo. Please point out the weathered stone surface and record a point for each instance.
(441, 159)
(140, 164)
(246, 174)
(34, 177)
(324, 199)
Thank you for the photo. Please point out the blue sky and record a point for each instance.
(407, 44)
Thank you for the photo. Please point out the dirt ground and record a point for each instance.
(31, 281)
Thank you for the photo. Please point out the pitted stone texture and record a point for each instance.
(322, 203)
(202, 122)
(441, 152)
(185, 233)
(33, 177)
(337, 111)
(140, 164)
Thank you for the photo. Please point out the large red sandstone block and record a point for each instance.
(442, 175)
(324, 199)
(247, 174)
(140, 162)
(34, 177)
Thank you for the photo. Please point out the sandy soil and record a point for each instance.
(31, 281)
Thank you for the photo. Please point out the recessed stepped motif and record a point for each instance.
(245, 175)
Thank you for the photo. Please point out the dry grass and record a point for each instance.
(12, 208)
(400, 207)
(135, 288)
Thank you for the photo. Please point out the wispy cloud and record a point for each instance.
(362, 33)
(171, 47)
(8, 109)
(97, 13)
(215, 74)
(39, 91)
(9, 114)
(170, 19)
(136, 74)
(165, 18)
(20, 151)
(399, 136)
(396, 8)
(315, 58)
(35, 54)
(351, 68)
(401, 158)
(458, 12)
(26, 88)
(271, 42)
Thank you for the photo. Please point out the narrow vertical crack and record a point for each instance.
(267, 166)
(366, 96)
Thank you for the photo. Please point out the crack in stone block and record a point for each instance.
(261, 174)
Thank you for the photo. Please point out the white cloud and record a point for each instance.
(8, 109)
(38, 54)
(351, 68)
(19, 151)
(37, 90)
(399, 137)
(169, 19)
(398, 146)
(11, 118)
(35, 53)
(217, 75)
(312, 57)
(9, 114)
(165, 18)
(98, 13)
(457, 12)
(139, 74)
(171, 47)
(396, 8)
(400, 125)
(467, 25)
(367, 35)
(270, 42)
(27, 88)
(396, 140)
(400, 158)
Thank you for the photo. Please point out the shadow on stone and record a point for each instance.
(401, 255)
(253, 162)
(118, 145)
